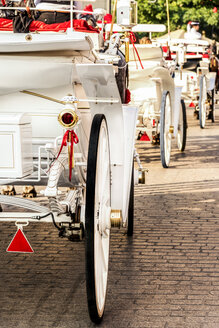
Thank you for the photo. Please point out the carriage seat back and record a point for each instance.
(145, 51)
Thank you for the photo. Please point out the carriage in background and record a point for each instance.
(195, 74)
(162, 113)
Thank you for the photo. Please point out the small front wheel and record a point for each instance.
(182, 127)
(97, 217)
(165, 133)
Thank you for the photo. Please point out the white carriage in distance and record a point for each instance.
(193, 73)
(162, 112)
(62, 123)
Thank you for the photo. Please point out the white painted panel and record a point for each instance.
(7, 151)
(139, 28)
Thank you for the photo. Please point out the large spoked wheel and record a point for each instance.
(130, 227)
(202, 101)
(165, 133)
(182, 127)
(97, 218)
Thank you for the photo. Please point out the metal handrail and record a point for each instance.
(54, 9)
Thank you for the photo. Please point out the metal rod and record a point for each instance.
(113, 17)
(42, 96)
(24, 217)
(71, 15)
(54, 9)
(127, 47)
(168, 19)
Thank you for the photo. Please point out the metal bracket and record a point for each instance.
(21, 224)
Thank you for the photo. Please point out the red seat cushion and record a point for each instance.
(79, 25)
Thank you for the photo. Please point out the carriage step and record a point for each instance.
(24, 203)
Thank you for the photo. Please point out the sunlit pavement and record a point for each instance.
(166, 276)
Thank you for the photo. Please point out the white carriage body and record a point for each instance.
(55, 65)
(16, 145)
(193, 74)
(183, 50)
(147, 85)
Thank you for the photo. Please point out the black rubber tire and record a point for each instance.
(89, 219)
(202, 124)
(183, 108)
(162, 129)
(213, 106)
(130, 227)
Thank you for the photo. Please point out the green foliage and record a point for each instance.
(181, 12)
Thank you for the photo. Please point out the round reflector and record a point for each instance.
(68, 118)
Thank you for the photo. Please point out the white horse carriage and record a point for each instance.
(162, 114)
(62, 123)
(192, 59)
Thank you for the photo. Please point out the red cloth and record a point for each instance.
(79, 25)
(88, 8)
(108, 18)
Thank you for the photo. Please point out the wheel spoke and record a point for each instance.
(104, 255)
(101, 268)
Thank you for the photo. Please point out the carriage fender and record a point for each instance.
(211, 78)
(167, 84)
(98, 81)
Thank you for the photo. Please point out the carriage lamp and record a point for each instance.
(68, 118)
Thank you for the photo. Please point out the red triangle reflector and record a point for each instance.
(192, 105)
(145, 137)
(20, 244)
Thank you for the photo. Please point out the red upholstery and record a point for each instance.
(79, 25)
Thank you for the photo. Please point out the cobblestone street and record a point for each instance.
(166, 276)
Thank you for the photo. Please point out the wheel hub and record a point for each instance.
(104, 220)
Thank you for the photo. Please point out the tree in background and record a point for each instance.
(181, 12)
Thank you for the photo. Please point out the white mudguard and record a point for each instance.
(98, 80)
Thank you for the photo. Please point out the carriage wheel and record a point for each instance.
(165, 134)
(212, 107)
(97, 218)
(130, 227)
(202, 101)
(182, 127)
